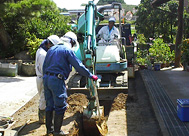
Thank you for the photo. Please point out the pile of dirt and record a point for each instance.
(119, 102)
(98, 127)
(76, 102)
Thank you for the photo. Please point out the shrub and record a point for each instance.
(185, 51)
(161, 52)
(33, 44)
(26, 18)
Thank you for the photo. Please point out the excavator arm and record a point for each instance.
(87, 49)
(87, 42)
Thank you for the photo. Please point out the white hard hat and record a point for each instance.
(71, 35)
(54, 39)
(112, 19)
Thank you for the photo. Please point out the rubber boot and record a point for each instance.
(49, 125)
(58, 119)
(41, 115)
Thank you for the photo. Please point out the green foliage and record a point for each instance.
(186, 24)
(185, 51)
(142, 53)
(123, 4)
(142, 57)
(141, 39)
(32, 17)
(33, 44)
(132, 22)
(47, 24)
(161, 52)
(128, 7)
(158, 52)
(141, 61)
(104, 2)
(155, 22)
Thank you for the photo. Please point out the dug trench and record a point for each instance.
(128, 114)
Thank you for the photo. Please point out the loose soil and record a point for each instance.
(141, 119)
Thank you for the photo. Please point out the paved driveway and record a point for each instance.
(15, 92)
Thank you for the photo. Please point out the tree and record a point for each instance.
(186, 24)
(157, 22)
(5, 39)
(179, 33)
(25, 18)
(104, 2)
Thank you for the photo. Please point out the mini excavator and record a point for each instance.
(108, 62)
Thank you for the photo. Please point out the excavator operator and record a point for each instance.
(108, 33)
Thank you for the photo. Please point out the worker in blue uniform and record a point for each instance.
(56, 68)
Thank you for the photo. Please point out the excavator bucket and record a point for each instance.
(94, 125)
(93, 116)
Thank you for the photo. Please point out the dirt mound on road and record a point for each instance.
(119, 102)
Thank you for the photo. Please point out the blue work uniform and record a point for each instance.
(59, 60)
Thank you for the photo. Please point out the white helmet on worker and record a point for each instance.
(112, 19)
(71, 35)
(70, 38)
(54, 39)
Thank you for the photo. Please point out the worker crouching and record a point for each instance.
(56, 68)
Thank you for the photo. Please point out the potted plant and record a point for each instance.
(141, 59)
(160, 52)
(28, 68)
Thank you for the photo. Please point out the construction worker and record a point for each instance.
(40, 57)
(108, 33)
(56, 68)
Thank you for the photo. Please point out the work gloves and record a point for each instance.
(94, 77)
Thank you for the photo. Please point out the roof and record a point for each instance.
(157, 3)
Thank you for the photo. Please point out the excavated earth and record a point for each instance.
(140, 117)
